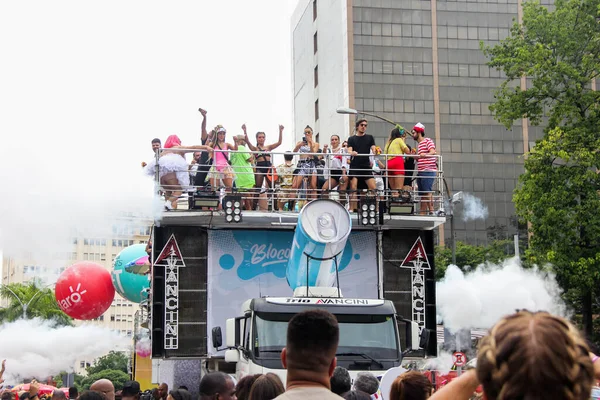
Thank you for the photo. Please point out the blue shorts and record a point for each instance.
(425, 181)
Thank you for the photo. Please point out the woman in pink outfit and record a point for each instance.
(221, 170)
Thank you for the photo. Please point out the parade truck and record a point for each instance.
(223, 290)
(369, 337)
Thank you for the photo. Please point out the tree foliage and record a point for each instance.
(117, 377)
(39, 303)
(559, 52)
(115, 360)
(471, 255)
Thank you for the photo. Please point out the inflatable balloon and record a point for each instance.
(128, 284)
(84, 290)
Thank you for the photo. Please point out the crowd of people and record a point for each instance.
(102, 389)
(340, 169)
(526, 355)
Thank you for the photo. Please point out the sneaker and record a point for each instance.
(168, 206)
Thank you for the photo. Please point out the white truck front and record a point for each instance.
(369, 339)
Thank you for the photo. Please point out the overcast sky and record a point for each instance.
(85, 86)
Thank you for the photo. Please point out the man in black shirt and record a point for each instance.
(359, 147)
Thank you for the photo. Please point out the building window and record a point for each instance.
(316, 76)
(315, 42)
(86, 242)
(112, 317)
(317, 110)
(103, 257)
(82, 364)
(314, 9)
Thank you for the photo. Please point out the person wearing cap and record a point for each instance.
(426, 168)
(221, 170)
(131, 391)
(241, 162)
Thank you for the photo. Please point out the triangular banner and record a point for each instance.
(171, 249)
(416, 255)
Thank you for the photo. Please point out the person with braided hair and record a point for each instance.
(529, 355)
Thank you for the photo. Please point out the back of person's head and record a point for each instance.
(92, 395)
(411, 385)
(8, 395)
(366, 382)
(242, 388)
(312, 340)
(180, 394)
(58, 394)
(73, 393)
(266, 387)
(340, 381)
(288, 156)
(356, 395)
(534, 356)
(212, 384)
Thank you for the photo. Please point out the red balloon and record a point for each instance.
(84, 290)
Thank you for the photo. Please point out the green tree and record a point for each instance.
(559, 52)
(115, 360)
(471, 255)
(117, 377)
(31, 301)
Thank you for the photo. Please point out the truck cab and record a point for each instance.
(369, 338)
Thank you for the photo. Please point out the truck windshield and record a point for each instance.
(372, 335)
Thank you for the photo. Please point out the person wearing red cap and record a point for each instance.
(426, 168)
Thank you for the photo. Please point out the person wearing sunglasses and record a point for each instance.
(360, 147)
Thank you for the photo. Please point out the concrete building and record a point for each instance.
(415, 61)
(121, 314)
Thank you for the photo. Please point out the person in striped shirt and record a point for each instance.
(426, 168)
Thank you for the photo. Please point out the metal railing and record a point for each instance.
(307, 177)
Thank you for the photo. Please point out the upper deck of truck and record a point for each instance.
(276, 205)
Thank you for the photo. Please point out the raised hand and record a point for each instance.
(280, 128)
(202, 111)
(244, 128)
(34, 387)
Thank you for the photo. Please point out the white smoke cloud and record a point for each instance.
(478, 299)
(473, 208)
(37, 348)
(443, 363)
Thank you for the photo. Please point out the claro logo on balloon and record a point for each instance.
(73, 298)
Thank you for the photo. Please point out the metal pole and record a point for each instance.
(453, 235)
